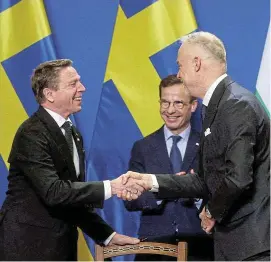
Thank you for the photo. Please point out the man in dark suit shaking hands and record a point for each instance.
(234, 170)
(47, 199)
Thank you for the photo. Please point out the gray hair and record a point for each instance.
(46, 75)
(210, 43)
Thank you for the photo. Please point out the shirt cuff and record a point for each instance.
(155, 185)
(159, 202)
(106, 242)
(107, 189)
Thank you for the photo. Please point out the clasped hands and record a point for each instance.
(131, 185)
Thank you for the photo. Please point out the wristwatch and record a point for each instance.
(208, 214)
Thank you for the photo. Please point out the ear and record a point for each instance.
(194, 105)
(48, 94)
(197, 63)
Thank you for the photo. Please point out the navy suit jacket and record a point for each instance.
(149, 155)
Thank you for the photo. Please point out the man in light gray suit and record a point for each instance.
(234, 169)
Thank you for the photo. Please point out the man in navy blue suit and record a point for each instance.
(169, 150)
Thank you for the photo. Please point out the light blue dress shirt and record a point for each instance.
(182, 144)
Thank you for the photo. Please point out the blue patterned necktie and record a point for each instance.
(67, 126)
(175, 155)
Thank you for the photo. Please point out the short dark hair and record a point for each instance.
(46, 75)
(171, 80)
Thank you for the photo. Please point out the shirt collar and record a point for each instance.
(60, 120)
(184, 135)
(211, 90)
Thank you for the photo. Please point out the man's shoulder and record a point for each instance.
(238, 98)
(236, 92)
(156, 135)
(31, 125)
(194, 133)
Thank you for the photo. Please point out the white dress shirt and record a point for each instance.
(211, 90)
(60, 120)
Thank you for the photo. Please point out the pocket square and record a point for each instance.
(207, 132)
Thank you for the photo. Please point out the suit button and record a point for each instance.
(174, 223)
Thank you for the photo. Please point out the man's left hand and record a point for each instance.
(207, 224)
(121, 240)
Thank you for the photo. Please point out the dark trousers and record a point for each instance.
(200, 248)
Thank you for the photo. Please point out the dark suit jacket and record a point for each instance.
(149, 155)
(234, 172)
(46, 202)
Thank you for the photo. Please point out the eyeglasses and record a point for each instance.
(177, 104)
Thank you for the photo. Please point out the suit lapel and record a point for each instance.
(211, 112)
(159, 149)
(59, 139)
(191, 151)
(214, 102)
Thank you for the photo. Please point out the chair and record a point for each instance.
(179, 251)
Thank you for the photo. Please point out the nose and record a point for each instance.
(81, 88)
(179, 74)
(171, 109)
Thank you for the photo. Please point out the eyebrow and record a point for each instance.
(75, 79)
(165, 100)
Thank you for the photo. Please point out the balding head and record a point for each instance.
(207, 45)
(201, 59)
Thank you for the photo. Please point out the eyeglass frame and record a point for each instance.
(175, 103)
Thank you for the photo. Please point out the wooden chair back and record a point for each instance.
(179, 251)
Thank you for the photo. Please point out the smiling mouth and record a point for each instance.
(172, 117)
(78, 98)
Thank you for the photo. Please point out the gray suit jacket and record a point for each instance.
(234, 172)
(46, 201)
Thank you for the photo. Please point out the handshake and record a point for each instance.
(131, 185)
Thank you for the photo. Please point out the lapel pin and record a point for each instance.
(207, 132)
(197, 144)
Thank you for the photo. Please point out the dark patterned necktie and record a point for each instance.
(175, 155)
(67, 126)
(203, 111)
